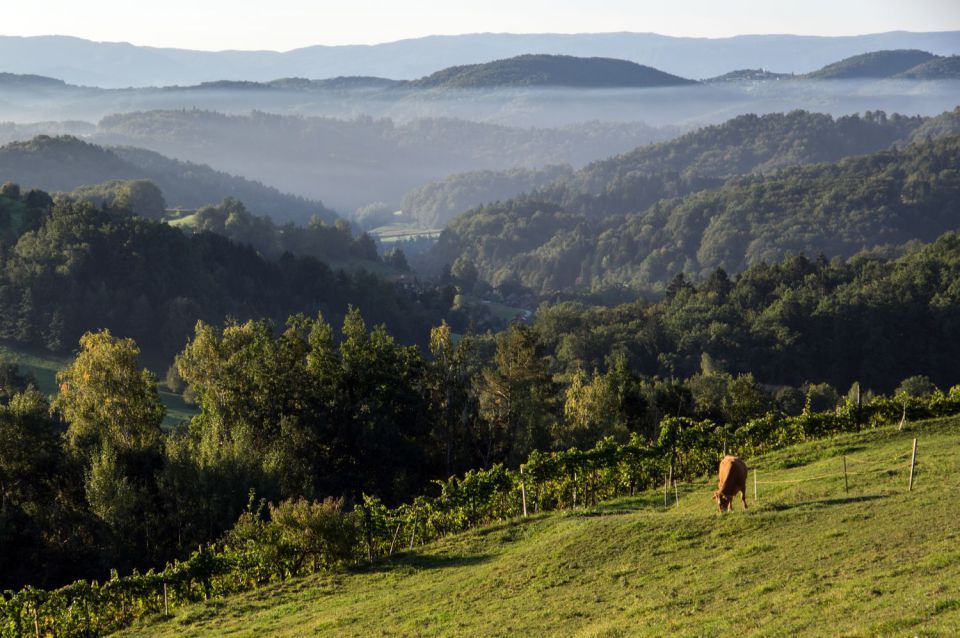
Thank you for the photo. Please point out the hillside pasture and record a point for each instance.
(810, 558)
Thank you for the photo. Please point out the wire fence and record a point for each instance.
(900, 463)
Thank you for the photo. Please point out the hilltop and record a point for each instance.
(551, 70)
(876, 64)
(750, 75)
(64, 163)
(808, 559)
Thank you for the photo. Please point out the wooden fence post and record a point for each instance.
(666, 485)
(394, 541)
(523, 492)
(676, 494)
(756, 497)
(913, 462)
(166, 610)
(574, 490)
(846, 487)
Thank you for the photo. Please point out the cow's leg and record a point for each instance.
(743, 497)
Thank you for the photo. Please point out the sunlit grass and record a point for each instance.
(808, 559)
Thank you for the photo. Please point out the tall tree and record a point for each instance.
(517, 399)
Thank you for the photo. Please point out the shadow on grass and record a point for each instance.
(627, 504)
(420, 561)
(825, 502)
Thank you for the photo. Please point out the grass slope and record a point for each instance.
(807, 560)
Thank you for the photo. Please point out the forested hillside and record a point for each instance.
(876, 64)
(65, 163)
(305, 410)
(943, 125)
(350, 163)
(947, 68)
(331, 243)
(628, 235)
(436, 203)
(550, 70)
(68, 267)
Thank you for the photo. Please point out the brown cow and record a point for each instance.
(733, 479)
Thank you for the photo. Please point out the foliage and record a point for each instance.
(78, 268)
(139, 196)
(869, 320)
(327, 242)
(434, 204)
(639, 219)
(106, 399)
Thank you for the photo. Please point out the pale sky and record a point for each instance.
(288, 24)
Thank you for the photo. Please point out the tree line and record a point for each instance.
(91, 481)
(270, 543)
(67, 266)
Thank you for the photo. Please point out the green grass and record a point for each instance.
(44, 366)
(809, 559)
(186, 220)
(404, 232)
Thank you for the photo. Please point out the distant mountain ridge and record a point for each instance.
(117, 65)
(543, 70)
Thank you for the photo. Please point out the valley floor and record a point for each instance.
(808, 559)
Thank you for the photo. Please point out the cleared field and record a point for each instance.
(809, 559)
(404, 232)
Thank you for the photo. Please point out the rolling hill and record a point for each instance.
(64, 163)
(809, 558)
(551, 70)
(947, 68)
(606, 227)
(875, 64)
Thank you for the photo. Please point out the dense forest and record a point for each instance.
(310, 409)
(66, 163)
(69, 267)
(330, 243)
(885, 198)
(434, 204)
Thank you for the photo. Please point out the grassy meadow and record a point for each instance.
(808, 559)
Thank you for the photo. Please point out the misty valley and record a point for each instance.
(354, 325)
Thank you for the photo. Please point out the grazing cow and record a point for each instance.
(733, 479)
